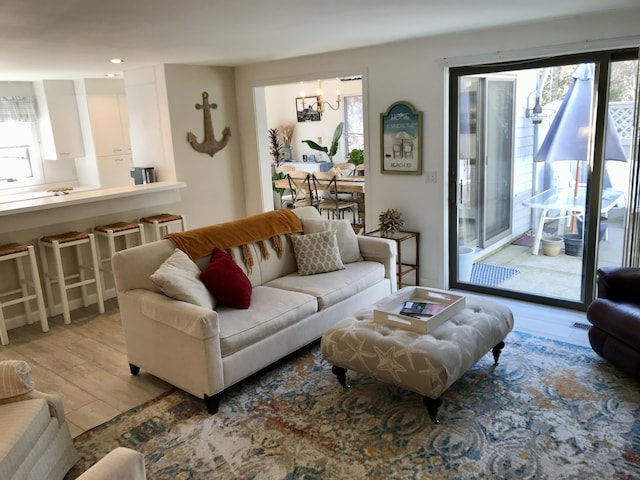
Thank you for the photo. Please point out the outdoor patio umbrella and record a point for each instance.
(568, 135)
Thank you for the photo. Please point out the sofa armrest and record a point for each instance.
(119, 464)
(620, 284)
(619, 319)
(382, 250)
(190, 319)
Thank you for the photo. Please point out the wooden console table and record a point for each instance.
(403, 267)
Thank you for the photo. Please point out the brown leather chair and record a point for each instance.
(615, 316)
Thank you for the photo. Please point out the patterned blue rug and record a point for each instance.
(549, 410)
(491, 275)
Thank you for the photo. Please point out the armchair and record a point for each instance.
(615, 316)
(35, 442)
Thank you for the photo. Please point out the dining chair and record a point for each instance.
(302, 189)
(286, 197)
(345, 168)
(325, 183)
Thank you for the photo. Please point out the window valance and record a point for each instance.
(19, 109)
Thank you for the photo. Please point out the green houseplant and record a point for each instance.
(333, 149)
(277, 157)
(356, 156)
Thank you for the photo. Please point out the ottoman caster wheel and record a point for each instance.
(432, 408)
(341, 374)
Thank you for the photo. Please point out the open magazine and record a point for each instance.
(422, 309)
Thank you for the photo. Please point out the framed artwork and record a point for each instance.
(307, 109)
(400, 138)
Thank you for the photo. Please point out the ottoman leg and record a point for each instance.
(341, 373)
(432, 408)
(496, 352)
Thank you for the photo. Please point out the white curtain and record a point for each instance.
(631, 256)
(19, 109)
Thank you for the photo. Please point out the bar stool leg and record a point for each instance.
(82, 276)
(46, 276)
(4, 336)
(61, 283)
(96, 272)
(38, 289)
(112, 249)
(23, 288)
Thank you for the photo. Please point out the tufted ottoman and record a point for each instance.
(424, 363)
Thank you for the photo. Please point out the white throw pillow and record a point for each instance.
(346, 237)
(317, 253)
(179, 277)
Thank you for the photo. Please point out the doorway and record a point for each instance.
(539, 152)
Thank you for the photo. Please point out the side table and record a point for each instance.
(403, 267)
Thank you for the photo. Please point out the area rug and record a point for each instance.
(491, 275)
(549, 410)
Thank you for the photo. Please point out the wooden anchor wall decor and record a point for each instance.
(210, 145)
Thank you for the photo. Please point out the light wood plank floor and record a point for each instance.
(86, 363)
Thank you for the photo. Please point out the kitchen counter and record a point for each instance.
(84, 203)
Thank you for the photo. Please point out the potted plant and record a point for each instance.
(287, 137)
(356, 156)
(277, 157)
(333, 149)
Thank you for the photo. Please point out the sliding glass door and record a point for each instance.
(539, 156)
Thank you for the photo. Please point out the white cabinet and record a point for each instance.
(115, 171)
(109, 124)
(59, 121)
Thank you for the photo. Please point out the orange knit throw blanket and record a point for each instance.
(200, 242)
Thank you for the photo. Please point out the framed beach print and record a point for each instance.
(400, 139)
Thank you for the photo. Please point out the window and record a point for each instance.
(20, 163)
(353, 122)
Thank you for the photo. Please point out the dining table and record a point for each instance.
(347, 184)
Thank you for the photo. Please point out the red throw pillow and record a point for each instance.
(226, 281)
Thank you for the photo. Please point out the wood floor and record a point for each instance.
(85, 362)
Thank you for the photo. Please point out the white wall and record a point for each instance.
(215, 189)
(415, 71)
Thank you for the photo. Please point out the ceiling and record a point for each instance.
(68, 39)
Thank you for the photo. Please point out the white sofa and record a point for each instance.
(203, 350)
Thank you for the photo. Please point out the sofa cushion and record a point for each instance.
(317, 253)
(345, 236)
(271, 310)
(23, 423)
(226, 281)
(333, 287)
(15, 378)
(178, 277)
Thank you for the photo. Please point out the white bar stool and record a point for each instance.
(56, 243)
(163, 222)
(111, 232)
(18, 252)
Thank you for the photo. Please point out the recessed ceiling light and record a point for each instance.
(116, 60)
(110, 74)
